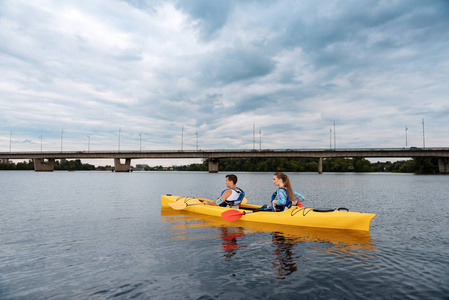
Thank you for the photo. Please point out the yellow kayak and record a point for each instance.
(295, 216)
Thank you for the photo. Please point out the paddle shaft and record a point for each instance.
(188, 204)
(182, 205)
(234, 215)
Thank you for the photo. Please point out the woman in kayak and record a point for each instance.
(285, 196)
(232, 196)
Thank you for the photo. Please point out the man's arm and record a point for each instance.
(220, 200)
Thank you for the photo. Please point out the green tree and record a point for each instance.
(426, 165)
(362, 165)
(407, 166)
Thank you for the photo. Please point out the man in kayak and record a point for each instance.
(285, 196)
(230, 197)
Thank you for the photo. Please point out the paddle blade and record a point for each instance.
(177, 205)
(232, 215)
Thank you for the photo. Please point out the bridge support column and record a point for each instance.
(40, 165)
(119, 167)
(443, 165)
(213, 165)
(320, 165)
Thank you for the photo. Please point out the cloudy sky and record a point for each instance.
(289, 69)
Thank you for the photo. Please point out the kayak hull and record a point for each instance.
(295, 216)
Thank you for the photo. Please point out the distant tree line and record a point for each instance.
(157, 168)
(415, 165)
(62, 164)
(73, 165)
(19, 166)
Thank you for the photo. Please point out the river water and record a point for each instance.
(102, 235)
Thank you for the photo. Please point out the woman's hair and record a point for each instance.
(287, 184)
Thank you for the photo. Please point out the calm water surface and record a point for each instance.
(101, 235)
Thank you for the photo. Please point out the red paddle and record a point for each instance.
(234, 215)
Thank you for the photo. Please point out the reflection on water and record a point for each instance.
(90, 235)
(285, 261)
(229, 237)
(286, 239)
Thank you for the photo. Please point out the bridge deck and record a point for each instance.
(216, 154)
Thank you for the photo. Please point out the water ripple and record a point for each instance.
(104, 235)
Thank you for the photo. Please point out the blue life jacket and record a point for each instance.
(230, 203)
(280, 207)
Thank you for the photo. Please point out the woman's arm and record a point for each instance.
(281, 197)
(299, 196)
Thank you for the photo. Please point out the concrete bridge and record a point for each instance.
(44, 161)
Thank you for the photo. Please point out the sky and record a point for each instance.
(170, 75)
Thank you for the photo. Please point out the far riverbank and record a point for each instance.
(358, 165)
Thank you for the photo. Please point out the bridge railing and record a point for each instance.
(44, 161)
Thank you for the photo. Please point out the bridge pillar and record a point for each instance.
(40, 165)
(443, 165)
(119, 167)
(213, 165)
(320, 165)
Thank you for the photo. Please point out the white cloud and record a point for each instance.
(218, 68)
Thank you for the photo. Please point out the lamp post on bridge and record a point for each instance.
(335, 139)
(254, 136)
(119, 131)
(62, 135)
(260, 139)
(423, 135)
(10, 139)
(196, 133)
(40, 137)
(330, 138)
(140, 136)
(406, 140)
(182, 138)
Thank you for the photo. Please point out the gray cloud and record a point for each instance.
(218, 67)
(236, 65)
(210, 15)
